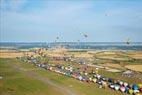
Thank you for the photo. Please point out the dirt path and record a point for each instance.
(30, 73)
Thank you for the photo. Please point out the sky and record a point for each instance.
(70, 20)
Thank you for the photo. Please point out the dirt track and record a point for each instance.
(30, 73)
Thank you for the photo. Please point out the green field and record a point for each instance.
(26, 79)
(17, 83)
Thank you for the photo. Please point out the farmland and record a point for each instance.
(22, 77)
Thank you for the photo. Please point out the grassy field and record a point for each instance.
(17, 82)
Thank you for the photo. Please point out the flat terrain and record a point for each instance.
(29, 80)
(19, 77)
(135, 67)
(17, 82)
(12, 53)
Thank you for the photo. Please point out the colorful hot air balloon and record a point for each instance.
(135, 87)
(122, 88)
(131, 91)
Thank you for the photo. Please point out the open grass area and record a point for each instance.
(15, 83)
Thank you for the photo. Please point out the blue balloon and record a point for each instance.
(135, 87)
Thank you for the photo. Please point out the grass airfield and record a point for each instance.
(15, 82)
(27, 79)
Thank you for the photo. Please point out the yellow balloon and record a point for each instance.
(131, 91)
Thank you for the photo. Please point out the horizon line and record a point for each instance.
(64, 42)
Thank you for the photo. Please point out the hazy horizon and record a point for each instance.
(61, 42)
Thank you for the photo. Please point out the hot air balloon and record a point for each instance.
(106, 14)
(85, 35)
(57, 37)
(135, 87)
(125, 84)
(112, 86)
(94, 80)
(128, 41)
(122, 88)
(131, 91)
(116, 87)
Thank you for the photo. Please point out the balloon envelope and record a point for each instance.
(122, 89)
(125, 84)
(112, 86)
(131, 91)
(117, 87)
(135, 87)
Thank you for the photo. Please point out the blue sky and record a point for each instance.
(44, 20)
